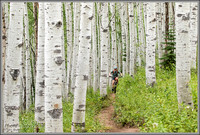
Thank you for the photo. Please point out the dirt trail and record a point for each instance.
(106, 119)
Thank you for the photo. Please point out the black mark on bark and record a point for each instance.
(88, 37)
(105, 30)
(57, 51)
(185, 18)
(179, 15)
(39, 109)
(81, 106)
(8, 109)
(90, 18)
(42, 84)
(55, 113)
(20, 45)
(59, 24)
(58, 96)
(41, 93)
(184, 31)
(59, 60)
(14, 73)
(85, 77)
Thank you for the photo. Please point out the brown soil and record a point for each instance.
(106, 119)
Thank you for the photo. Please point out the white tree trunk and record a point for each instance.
(145, 17)
(4, 44)
(127, 38)
(113, 36)
(182, 20)
(122, 16)
(40, 80)
(138, 49)
(119, 10)
(104, 49)
(69, 43)
(76, 44)
(132, 39)
(193, 33)
(99, 43)
(64, 90)
(28, 66)
(13, 70)
(90, 76)
(151, 45)
(94, 43)
(83, 66)
(159, 31)
(54, 61)
(141, 33)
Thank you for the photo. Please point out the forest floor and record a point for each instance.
(106, 119)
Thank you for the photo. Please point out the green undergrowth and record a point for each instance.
(155, 109)
(94, 103)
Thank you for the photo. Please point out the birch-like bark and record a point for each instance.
(113, 36)
(145, 18)
(193, 33)
(182, 20)
(151, 45)
(122, 17)
(138, 49)
(69, 43)
(76, 43)
(159, 31)
(40, 80)
(78, 119)
(28, 66)
(94, 43)
(163, 19)
(64, 90)
(119, 8)
(127, 38)
(104, 49)
(99, 45)
(54, 61)
(4, 44)
(132, 39)
(141, 35)
(13, 70)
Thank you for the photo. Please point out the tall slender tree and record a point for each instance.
(182, 20)
(151, 45)
(13, 70)
(40, 80)
(4, 44)
(76, 43)
(104, 49)
(69, 43)
(83, 66)
(94, 43)
(54, 61)
(28, 66)
(193, 33)
(123, 29)
(132, 39)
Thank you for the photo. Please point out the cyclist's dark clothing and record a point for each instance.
(114, 74)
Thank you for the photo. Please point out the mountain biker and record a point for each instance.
(114, 73)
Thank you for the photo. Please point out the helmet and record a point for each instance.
(115, 67)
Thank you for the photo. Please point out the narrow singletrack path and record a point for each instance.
(106, 119)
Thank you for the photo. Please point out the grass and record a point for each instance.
(155, 109)
(94, 104)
